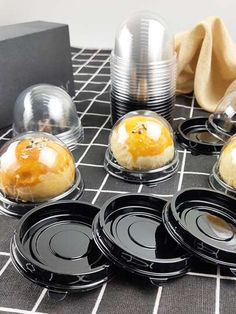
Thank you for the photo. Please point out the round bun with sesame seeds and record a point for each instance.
(141, 142)
(35, 167)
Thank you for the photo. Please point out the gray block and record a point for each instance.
(32, 53)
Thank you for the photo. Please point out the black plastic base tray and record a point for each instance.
(193, 135)
(147, 177)
(53, 247)
(15, 209)
(129, 231)
(203, 222)
(219, 125)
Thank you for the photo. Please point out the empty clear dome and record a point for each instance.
(47, 108)
(222, 122)
(141, 148)
(36, 167)
(144, 38)
(223, 175)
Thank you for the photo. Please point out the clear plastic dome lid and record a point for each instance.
(142, 140)
(35, 167)
(222, 123)
(47, 108)
(144, 38)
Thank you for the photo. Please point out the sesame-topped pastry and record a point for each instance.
(35, 167)
(142, 142)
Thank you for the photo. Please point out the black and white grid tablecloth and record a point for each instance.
(207, 289)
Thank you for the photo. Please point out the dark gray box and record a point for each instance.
(31, 53)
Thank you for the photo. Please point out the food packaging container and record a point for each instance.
(141, 148)
(130, 232)
(143, 67)
(202, 135)
(223, 176)
(222, 122)
(203, 222)
(71, 246)
(53, 247)
(48, 108)
(193, 135)
(36, 168)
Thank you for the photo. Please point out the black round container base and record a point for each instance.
(53, 247)
(18, 209)
(218, 125)
(203, 222)
(119, 110)
(135, 106)
(130, 232)
(216, 183)
(147, 177)
(193, 135)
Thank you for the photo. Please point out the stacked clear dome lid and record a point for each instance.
(143, 67)
(222, 123)
(223, 176)
(141, 148)
(36, 167)
(140, 32)
(48, 108)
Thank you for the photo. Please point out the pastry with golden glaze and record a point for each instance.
(142, 143)
(35, 169)
(227, 163)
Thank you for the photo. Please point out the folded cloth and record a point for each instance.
(206, 62)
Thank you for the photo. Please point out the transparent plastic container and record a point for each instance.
(48, 108)
(141, 148)
(143, 66)
(144, 38)
(223, 176)
(222, 123)
(35, 168)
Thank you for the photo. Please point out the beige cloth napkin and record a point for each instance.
(206, 62)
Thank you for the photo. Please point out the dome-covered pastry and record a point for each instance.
(35, 167)
(227, 163)
(142, 141)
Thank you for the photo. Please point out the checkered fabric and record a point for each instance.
(206, 289)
